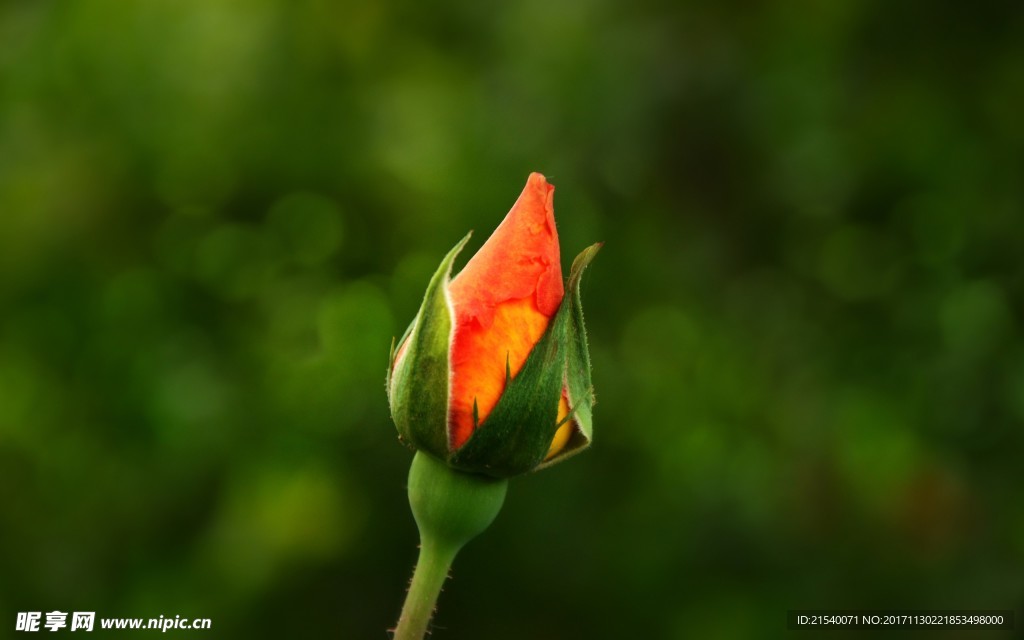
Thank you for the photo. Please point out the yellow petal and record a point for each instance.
(564, 432)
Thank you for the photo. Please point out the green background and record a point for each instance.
(805, 322)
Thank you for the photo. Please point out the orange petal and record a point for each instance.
(519, 260)
(503, 301)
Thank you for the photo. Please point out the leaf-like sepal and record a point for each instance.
(419, 378)
(578, 385)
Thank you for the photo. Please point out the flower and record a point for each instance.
(493, 374)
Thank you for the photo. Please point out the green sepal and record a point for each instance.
(516, 435)
(577, 368)
(418, 385)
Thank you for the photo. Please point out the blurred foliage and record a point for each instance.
(806, 322)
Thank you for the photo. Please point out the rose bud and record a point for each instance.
(493, 374)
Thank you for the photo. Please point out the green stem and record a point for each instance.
(451, 508)
(427, 580)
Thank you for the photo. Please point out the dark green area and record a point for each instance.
(805, 325)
